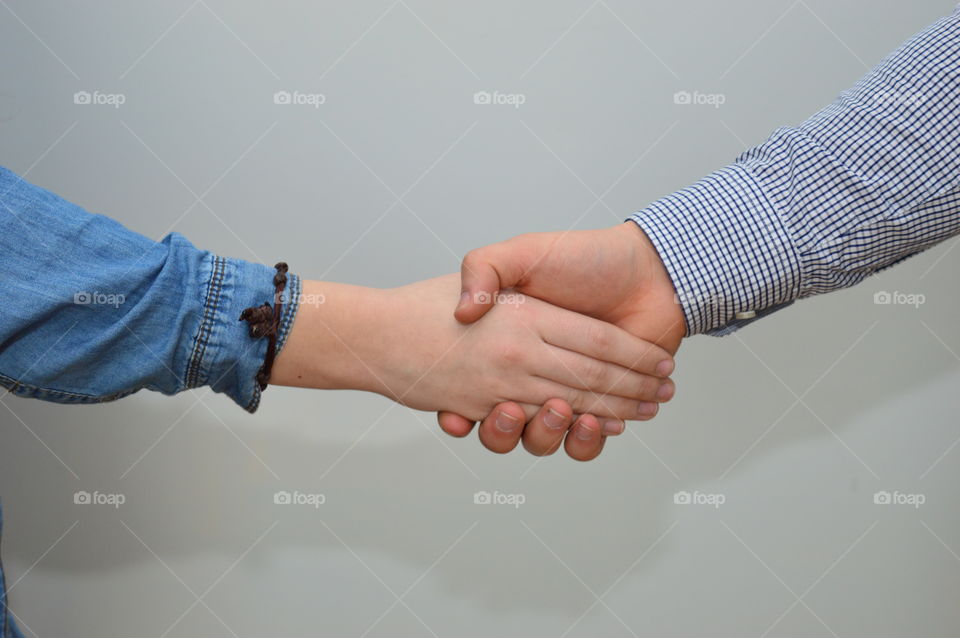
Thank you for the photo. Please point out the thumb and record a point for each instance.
(483, 274)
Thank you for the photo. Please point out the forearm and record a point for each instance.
(403, 343)
(337, 341)
(94, 311)
(348, 337)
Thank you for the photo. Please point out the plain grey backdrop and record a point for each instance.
(385, 167)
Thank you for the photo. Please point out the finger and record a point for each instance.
(612, 427)
(501, 430)
(602, 406)
(579, 371)
(454, 424)
(484, 272)
(530, 410)
(604, 341)
(544, 434)
(585, 439)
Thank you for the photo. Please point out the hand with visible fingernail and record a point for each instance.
(626, 284)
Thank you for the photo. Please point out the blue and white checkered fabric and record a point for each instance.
(865, 183)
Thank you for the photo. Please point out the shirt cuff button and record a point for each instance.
(746, 314)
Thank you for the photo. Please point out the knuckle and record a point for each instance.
(655, 354)
(512, 354)
(473, 257)
(594, 374)
(587, 402)
(574, 399)
(648, 388)
(612, 407)
(600, 338)
(505, 386)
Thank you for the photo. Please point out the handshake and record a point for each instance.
(558, 338)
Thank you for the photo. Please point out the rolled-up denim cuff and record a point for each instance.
(225, 356)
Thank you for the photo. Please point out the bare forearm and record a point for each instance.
(329, 344)
(403, 343)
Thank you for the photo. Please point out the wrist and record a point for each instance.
(330, 345)
(726, 247)
(656, 298)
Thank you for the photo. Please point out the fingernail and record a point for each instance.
(665, 368)
(584, 433)
(647, 409)
(464, 298)
(554, 419)
(507, 423)
(612, 427)
(665, 392)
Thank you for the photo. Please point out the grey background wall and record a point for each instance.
(794, 423)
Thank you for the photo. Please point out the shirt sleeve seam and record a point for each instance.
(192, 378)
(21, 389)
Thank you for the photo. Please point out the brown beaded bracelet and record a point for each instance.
(265, 322)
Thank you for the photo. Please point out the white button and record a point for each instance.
(746, 314)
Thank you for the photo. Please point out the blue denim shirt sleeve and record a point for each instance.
(93, 312)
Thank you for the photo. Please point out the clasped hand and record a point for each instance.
(581, 342)
(614, 275)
